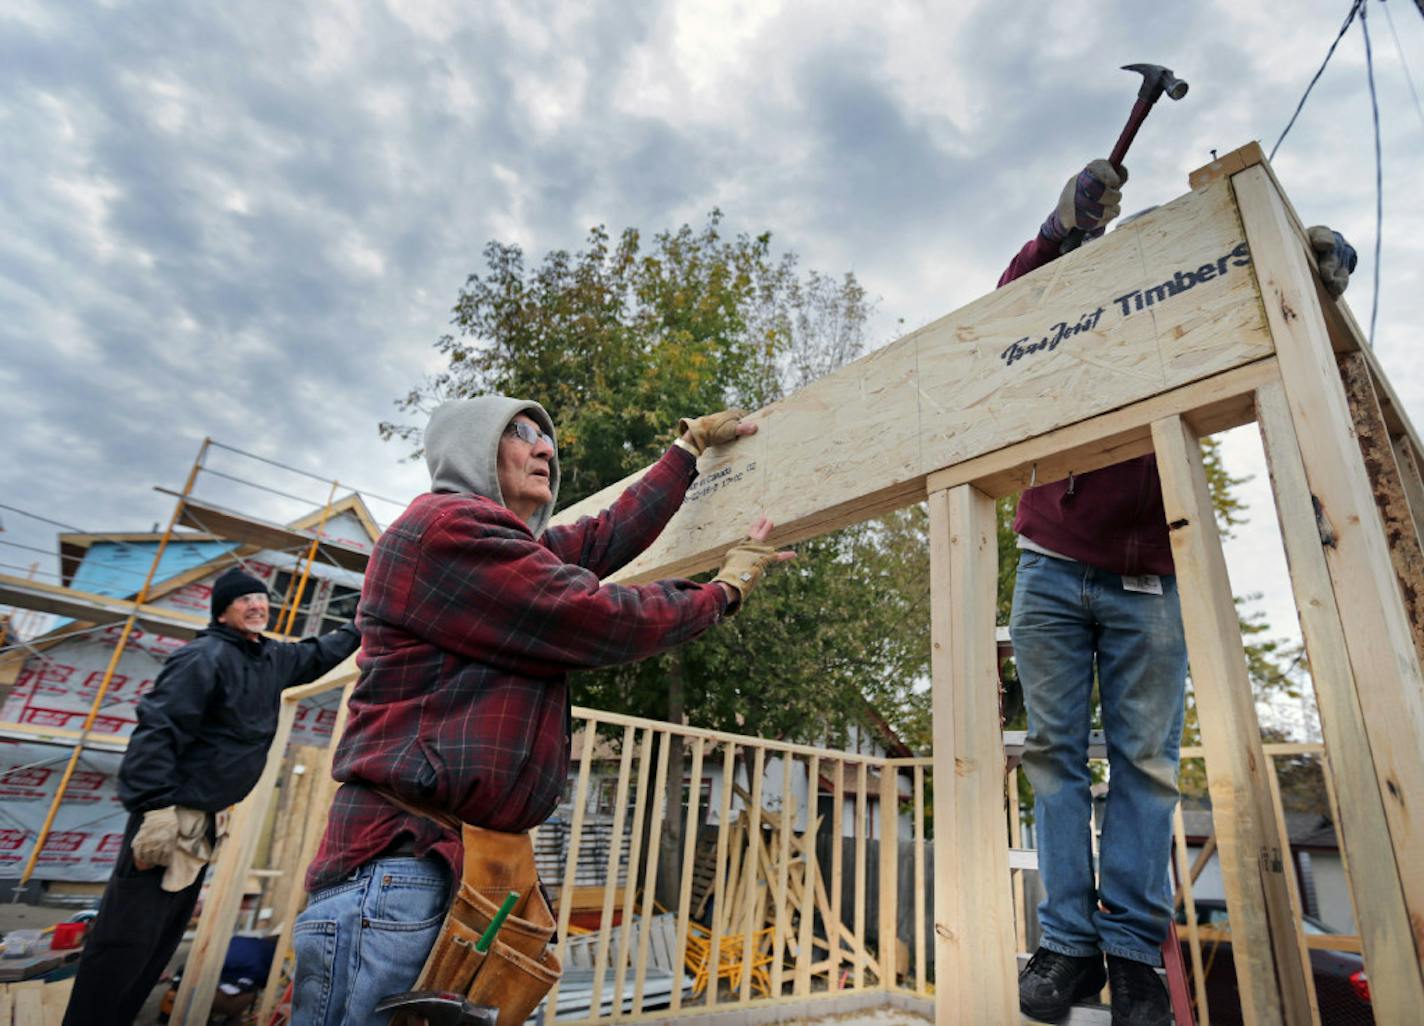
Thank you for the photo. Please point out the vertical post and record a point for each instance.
(200, 980)
(921, 973)
(721, 891)
(1275, 986)
(323, 790)
(610, 876)
(1378, 639)
(862, 825)
(889, 873)
(630, 887)
(1189, 903)
(810, 880)
(1381, 913)
(1016, 841)
(1382, 468)
(750, 871)
(835, 929)
(650, 877)
(782, 918)
(566, 887)
(975, 978)
(684, 897)
(306, 567)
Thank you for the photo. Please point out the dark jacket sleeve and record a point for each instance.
(605, 543)
(301, 662)
(168, 719)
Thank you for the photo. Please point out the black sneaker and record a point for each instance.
(1051, 983)
(1139, 998)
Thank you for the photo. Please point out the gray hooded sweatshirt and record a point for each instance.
(462, 448)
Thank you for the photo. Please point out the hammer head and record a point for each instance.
(1157, 80)
(438, 1008)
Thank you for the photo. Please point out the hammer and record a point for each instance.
(1156, 80)
(438, 1008)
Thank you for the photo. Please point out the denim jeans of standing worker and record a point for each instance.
(373, 930)
(1068, 618)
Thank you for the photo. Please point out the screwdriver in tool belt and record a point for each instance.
(487, 938)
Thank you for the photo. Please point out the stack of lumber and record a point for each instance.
(33, 1003)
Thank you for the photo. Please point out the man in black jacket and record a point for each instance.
(199, 747)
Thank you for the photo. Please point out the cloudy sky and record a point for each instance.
(250, 221)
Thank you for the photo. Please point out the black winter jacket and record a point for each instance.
(204, 730)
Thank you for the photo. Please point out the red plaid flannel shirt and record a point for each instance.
(469, 628)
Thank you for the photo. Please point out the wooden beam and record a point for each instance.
(689, 858)
(323, 791)
(1184, 895)
(1378, 639)
(227, 523)
(1375, 888)
(1406, 458)
(1161, 302)
(1227, 165)
(975, 967)
(1274, 984)
(96, 609)
(215, 928)
(1387, 484)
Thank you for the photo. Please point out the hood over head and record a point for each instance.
(462, 448)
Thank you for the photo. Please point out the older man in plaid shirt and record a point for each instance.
(471, 617)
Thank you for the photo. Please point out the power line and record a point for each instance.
(1399, 48)
(1379, 167)
(1355, 7)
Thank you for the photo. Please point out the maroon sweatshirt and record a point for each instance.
(1112, 518)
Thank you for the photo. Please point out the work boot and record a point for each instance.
(1051, 983)
(1139, 997)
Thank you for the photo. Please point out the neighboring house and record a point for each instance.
(50, 682)
(1315, 854)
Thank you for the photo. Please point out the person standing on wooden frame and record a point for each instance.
(473, 613)
(199, 747)
(1095, 601)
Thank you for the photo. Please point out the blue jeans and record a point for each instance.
(1067, 617)
(366, 938)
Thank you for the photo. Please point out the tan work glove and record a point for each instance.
(743, 567)
(156, 838)
(1091, 199)
(696, 434)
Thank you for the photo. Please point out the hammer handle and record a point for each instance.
(1076, 236)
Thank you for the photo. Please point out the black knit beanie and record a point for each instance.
(232, 586)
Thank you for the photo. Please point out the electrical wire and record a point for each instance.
(305, 473)
(1379, 168)
(1355, 7)
(1399, 47)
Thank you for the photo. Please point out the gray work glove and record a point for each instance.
(696, 434)
(1334, 258)
(156, 837)
(1089, 200)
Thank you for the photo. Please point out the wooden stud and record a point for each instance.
(650, 877)
(689, 857)
(835, 927)
(1379, 642)
(610, 879)
(1396, 987)
(229, 874)
(323, 791)
(54, 998)
(1292, 885)
(566, 887)
(754, 896)
(782, 921)
(630, 890)
(921, 970)
(889, 899)
(1407, 460)
(809, 878)
(1275, 986)
(721, 884)
(1179, 830)
(1387, 483)
(27, 1003)
(975, 967)
(1016, 841)
(862, 823)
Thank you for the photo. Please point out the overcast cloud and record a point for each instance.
(250, 221)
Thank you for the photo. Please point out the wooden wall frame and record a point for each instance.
(1202, 315)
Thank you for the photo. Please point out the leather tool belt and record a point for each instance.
(520, 966)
